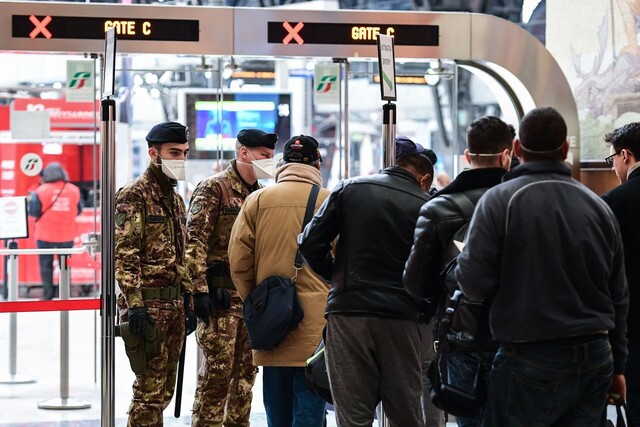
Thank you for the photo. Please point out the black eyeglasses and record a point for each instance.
(609, 159)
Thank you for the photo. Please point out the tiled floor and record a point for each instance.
(38, 357)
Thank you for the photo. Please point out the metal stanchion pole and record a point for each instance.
(64, 401)
(13, 377)
(389, 150)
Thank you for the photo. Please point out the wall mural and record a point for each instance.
(596, 44)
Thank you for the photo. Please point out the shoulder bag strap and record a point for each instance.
(52, 203)
(308, 214)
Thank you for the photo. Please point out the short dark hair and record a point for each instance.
(627, 136)
(418, 161)
(542, 133)
(489, 135)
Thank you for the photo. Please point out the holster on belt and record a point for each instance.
(140, 348)
(218, 276)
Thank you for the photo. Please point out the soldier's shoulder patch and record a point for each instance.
(196, 207)
(120, 218)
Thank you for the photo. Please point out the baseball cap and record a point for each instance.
(301, 149)
(406, 147)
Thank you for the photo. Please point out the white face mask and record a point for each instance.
(264, 168)
(175, 169)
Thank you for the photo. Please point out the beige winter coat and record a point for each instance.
(263, 244)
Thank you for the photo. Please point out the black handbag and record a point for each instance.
(445, 396)
(621, 406)
(315, 373)
(272, 310)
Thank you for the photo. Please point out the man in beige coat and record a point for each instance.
(263, 244)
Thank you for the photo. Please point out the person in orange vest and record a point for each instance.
(55, 205)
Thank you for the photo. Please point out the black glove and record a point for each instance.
(221, 299)
(203, 306)
(138, 318)
(191, 320)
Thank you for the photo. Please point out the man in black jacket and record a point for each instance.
(489, 142)
(624, 201)
(548, 253)
(373, 347)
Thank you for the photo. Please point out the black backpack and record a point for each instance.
(469, 329)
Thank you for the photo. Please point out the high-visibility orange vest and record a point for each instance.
(58, 221)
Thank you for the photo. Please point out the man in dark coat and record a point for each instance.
(624, 201)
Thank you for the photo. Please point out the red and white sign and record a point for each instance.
(13, 220)
(63, 114)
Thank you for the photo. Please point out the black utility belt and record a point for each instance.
(165, 294)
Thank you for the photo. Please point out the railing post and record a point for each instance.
(13, 377)
(64, 401)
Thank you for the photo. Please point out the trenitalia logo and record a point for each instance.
(31, 164)
(325, 83)
(77, 82)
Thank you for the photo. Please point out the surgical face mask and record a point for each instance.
(263, 168)
(174, 169)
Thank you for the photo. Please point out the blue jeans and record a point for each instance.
(632, 375)
(462, 369)
(46, 266)
(544, 384)
(287, 399)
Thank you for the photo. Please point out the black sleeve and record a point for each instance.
(421, 276)
(315, 240)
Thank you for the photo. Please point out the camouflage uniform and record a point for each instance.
(149, 263)
(227, 373)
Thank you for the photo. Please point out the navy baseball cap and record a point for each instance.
(406, 147)
(168, 132)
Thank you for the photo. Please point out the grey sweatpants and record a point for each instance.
(371, 359)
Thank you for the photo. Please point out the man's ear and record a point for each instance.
(426, 181)
(467, 156)
(517, 149)
(565, 149)
(627, 156)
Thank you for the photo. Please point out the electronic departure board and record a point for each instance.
(285, 32)
(86, 27)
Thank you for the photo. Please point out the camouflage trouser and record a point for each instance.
(153, 390)
(223, 395)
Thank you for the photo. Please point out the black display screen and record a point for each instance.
(84, 27)
(358, 34)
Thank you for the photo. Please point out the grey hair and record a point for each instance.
(54, 172)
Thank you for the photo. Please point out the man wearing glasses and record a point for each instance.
(624, 200)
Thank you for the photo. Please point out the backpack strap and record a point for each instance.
(462, 203)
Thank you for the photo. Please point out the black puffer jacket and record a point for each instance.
(439, 220)
(374, 217)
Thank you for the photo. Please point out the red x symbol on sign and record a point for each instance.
(40, 27)
(293, 33)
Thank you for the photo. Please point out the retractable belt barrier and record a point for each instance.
(63, 305)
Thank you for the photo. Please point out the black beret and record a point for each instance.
(257, 138)
(301, 149)
(168, 132)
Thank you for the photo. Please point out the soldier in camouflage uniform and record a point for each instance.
(223, 393)
(150, 268)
